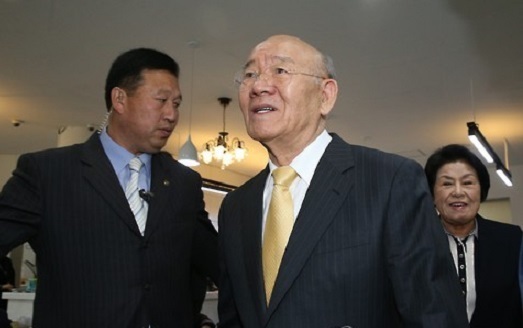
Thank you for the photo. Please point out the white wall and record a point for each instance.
(7, 165)
(497, 209)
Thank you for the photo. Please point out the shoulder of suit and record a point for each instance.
(500, 233)
(169, 160)
(365, 155)
(500, 226)
(364, 151)
(57, 152)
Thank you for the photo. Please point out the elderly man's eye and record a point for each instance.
(250, 75)
(281, 71)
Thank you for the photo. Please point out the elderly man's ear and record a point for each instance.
(328, 96)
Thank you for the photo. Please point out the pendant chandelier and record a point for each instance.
(222, 150)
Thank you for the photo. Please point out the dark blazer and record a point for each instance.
(367, 251)
(498, 298)
(94, 267)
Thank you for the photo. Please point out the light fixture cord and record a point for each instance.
(472, 100)
(193, 46)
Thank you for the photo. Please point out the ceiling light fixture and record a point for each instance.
(217, 186)
(485, 149)
(220, 149)
(188, 155)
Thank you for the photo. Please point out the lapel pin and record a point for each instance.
(166, 183)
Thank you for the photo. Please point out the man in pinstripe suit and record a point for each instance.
(96, 268)
(366, 249)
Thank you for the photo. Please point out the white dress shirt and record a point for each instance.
(304, 164)
(469, 247)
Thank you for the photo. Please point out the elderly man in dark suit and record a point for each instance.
(363, 248)
(115, 244)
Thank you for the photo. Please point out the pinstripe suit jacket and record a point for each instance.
(498, 298)
(366, 251)
(94, 267)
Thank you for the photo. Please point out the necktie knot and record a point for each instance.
(284, 176)
(135, 164)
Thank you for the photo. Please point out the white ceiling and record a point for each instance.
(411, 72)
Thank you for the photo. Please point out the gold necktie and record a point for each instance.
(278, 227)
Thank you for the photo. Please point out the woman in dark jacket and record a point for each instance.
(485, 252)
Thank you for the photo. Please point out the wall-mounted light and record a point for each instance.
(485, 149)
(16, 123)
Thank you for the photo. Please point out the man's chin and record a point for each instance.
(154, 149)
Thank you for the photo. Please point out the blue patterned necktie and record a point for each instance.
(132, 192)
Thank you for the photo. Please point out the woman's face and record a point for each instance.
(457, 194)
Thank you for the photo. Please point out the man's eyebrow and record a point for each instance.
(169, 92)
(249, 63)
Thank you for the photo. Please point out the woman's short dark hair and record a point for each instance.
(126, 70)
(456, 153)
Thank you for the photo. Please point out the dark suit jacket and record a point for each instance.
(498, 298)
(94, 267)
(367, 251)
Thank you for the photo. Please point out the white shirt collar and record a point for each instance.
(305, 163)
(474, 232)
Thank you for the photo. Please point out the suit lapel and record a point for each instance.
(482, 253)
(251, 230)
(328, 190)
(98, 171)
(163, 182)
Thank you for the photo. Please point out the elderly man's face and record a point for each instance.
(281, 91)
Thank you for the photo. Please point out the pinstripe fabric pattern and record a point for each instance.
(94, 267)
(367, 250)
